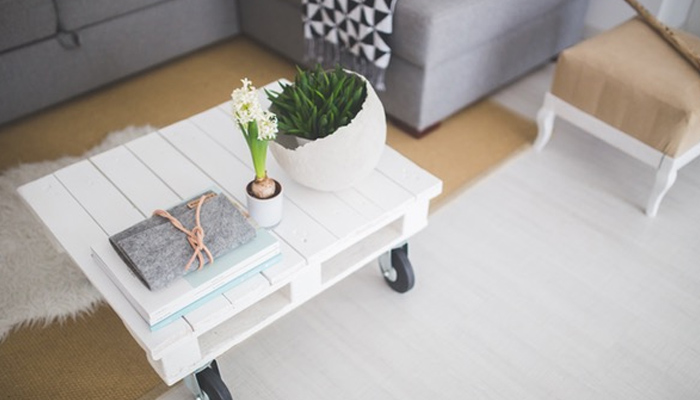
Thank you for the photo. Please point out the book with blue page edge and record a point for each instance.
(190, 291)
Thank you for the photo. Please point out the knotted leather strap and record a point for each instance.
(195, 236)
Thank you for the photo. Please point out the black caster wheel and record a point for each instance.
(211, 385)
(397, 269)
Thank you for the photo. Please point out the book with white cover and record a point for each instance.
(189, 291)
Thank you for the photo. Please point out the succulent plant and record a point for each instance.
(318, 102)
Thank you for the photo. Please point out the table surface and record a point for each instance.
(85, 203)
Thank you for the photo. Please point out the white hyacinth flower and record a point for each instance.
(267, 126)
(246, 107)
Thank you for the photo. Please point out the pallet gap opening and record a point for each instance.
(246, 323)
(361, 253)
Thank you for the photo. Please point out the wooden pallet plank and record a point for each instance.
(217, 163)
(410, 176)
(176, 170)
(135, 180)
(223, 129)
(207, 315)
(383, 192)
(248, 292)
(109, 208)
(291, 262)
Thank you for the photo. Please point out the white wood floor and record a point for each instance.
(545, 280)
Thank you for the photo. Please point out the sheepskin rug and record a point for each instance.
(38, 283)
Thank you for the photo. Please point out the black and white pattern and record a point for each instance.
(351, 32)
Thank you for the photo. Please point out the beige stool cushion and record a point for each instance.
(632, 79)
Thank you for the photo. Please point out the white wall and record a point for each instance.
(693, 24)
(605, 14)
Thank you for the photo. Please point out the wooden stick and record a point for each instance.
(666, 33)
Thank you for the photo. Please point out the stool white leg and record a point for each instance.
(665, 177)
(545, 124)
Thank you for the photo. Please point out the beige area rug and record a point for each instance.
(91, 355)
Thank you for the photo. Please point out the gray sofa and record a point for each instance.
(52, 50)
(446, 53)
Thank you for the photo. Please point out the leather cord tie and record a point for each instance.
(195, 236)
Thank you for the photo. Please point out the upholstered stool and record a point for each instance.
(631, 89)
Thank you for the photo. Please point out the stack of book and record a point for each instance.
(137, 259)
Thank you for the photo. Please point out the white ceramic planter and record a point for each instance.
(341, 159)
(266, 212)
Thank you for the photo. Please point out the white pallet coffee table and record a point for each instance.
(324, 236)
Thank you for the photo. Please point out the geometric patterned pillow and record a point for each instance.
(353, 32)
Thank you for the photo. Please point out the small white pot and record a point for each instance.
(266, 212)
(341, 159)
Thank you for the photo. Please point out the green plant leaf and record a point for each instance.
(318, 102)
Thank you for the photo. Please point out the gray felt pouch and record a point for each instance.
(157, 252)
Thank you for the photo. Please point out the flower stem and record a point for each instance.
(258, 150)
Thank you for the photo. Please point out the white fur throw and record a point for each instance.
(39, 284)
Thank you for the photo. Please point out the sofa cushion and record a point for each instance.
(25, 21)
(76, 14)
(427, 33)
